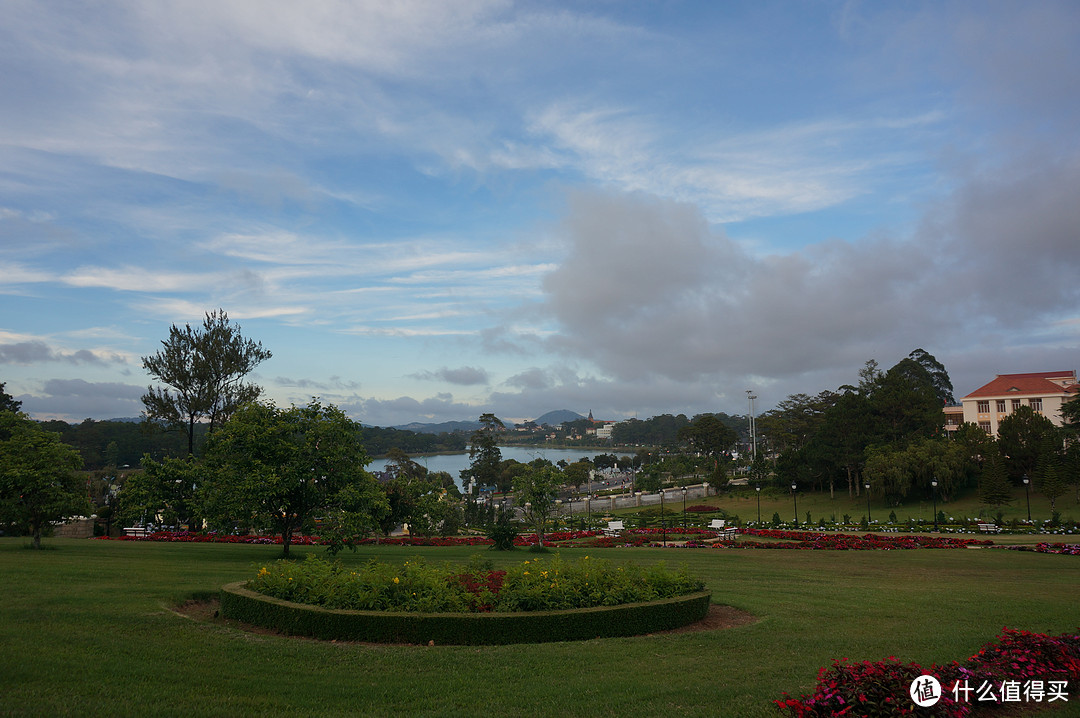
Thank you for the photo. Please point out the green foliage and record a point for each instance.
(535, 491)
(166, 488)
(994, 487)
(39, 482)
(503, 531)
(1021, 435)
(485, 455)
(205, 368)
(539, 584)
(284, 467)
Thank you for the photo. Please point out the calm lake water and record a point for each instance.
(454, 463)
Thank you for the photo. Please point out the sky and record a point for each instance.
(429, 210)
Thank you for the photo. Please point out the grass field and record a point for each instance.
(86, 628)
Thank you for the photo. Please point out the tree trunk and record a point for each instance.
(37, 536)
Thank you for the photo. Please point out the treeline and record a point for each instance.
(111, 443)
(663, 430)
(888, 433)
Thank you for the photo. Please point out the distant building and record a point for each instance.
(1044, 392)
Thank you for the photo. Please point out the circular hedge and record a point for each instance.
(631, 619)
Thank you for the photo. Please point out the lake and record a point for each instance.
(454, 463)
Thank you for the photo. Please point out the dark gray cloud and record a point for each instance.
(462, 376)
(37, 351)
(77, 399)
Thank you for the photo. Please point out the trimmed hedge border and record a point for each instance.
(298, 619)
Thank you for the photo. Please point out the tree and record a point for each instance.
(7, 401)
(205, 368)
(39, 482)
(484, 453)
(1020, 434)
(166, 489)
(994, 487)
(1049, 470)
(713, 438)
(535, 491)
(939, 378)
(286, 467)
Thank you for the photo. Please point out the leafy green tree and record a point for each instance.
(535, 491)
(205, 368)
(714, 439)
(285, 467)
(39, 482)
(1020, 434)
(577, 473)
(484, 453)
(939, 377)
(166, 489)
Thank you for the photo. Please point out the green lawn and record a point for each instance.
(86, 629)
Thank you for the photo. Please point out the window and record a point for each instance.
(952, 420)
(1001, 406)
(1016, 404)
(1036, 404)
(985, 426)
(984, 406)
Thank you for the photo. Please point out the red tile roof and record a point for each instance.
(1026, 384)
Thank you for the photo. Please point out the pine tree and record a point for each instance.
(994, 487)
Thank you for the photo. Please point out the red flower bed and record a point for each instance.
(1020, 667)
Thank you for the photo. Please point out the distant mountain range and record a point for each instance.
(552, 418)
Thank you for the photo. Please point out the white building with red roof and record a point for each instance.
(1044, 392)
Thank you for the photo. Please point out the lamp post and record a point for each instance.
(796, 501)
(1027, 495)
(588, 512)
(933, 489)
(758, 489)
(684, 509)
(663, 516)
(867, 487)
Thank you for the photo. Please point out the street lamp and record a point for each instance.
(867, 487)
(663, 516)
(684, 509)
(933, 485)
(1027, 495)
(758, 489)
(796, 500)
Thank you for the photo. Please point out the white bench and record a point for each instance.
(136, 531)
(614, 528)
(721, 527)
(990, 528)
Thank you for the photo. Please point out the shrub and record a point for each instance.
(503, 532)
(881, 688)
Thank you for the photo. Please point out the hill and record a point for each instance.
(554, 418)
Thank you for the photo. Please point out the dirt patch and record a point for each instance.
(718, 618)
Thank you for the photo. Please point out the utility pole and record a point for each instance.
(753, 428)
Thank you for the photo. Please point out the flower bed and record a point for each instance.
(535, 585)
(538, 600)
(1019, 667)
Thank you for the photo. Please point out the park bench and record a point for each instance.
(721, 527)
(989, 528)
(614, 528)
(136, 531)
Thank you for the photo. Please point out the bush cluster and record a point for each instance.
(540, 584)
(880, 688)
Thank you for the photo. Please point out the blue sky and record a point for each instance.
(431, 210)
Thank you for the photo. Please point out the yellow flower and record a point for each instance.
(397, 580)
(526, 573)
